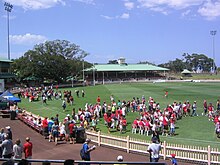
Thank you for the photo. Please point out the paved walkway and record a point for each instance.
(42, 149)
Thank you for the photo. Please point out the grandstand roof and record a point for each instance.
(4, 60)
(125, 67)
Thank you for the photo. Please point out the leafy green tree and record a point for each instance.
(113, 62)
(52, 60)
(191, 62)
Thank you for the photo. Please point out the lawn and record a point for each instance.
(190, 130)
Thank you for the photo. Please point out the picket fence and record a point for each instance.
(202, 155)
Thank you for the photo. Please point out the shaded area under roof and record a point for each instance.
(125, 67)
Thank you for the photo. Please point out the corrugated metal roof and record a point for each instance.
(4, 60)
(125, 67)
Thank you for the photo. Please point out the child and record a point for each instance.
(173, 159)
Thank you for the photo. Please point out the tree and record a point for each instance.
(192, 62)
(52, 60)
(113, 62)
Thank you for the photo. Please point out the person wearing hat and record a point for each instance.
(173, 159)
(86, 149)
(8, 131)
(154, 150)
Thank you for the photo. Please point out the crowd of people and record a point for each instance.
(15, 150)
(152, 119)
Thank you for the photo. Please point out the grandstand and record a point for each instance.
(104, 73)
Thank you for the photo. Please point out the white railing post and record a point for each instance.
(128, 144)
(209, 155)
(99, 138)
(164, 150)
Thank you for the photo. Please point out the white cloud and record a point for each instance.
(89, 2)
(159, 9)
(27, 39)
(185, 13)
(36, 4)
(107, 17)
(125, 16)
(206, 8)
(129, 5)
(174, 4)
(210, 10)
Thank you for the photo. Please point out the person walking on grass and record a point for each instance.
(194, 108)
(64, 105)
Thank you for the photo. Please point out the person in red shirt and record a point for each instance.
(98, 100)
(124, 124)
(27, 147)
(210, 111)
(72, 132)
(45, 127)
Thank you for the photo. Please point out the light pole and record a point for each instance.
(8, 8)
(213, 33)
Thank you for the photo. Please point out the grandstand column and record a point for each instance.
(103, 78)
(93, 74)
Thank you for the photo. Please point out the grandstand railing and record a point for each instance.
(184, 152)
(72, 162)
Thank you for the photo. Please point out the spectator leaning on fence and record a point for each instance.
(154, 150)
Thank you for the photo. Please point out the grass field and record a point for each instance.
(190, 130)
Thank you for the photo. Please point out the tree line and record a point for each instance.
(59, 60)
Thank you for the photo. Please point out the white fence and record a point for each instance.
(184, 152)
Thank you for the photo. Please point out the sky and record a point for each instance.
(157, 31)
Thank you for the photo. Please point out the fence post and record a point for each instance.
(164, 150)
(99, 138)
(209, 155)
(128, 144)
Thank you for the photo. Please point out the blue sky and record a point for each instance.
(138, 30)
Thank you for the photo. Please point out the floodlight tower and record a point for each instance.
(8, 8)
(213, 33)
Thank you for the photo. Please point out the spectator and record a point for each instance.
(120, 158)
(154, 150)
(9, 132)
(83, 93)
(64, 105)
(194, 107)
(87, 150)
(17, 149)
(7, 147)
(173, 159)
(2, 138)
(55, 132)
(45, 127)
(27, 147)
